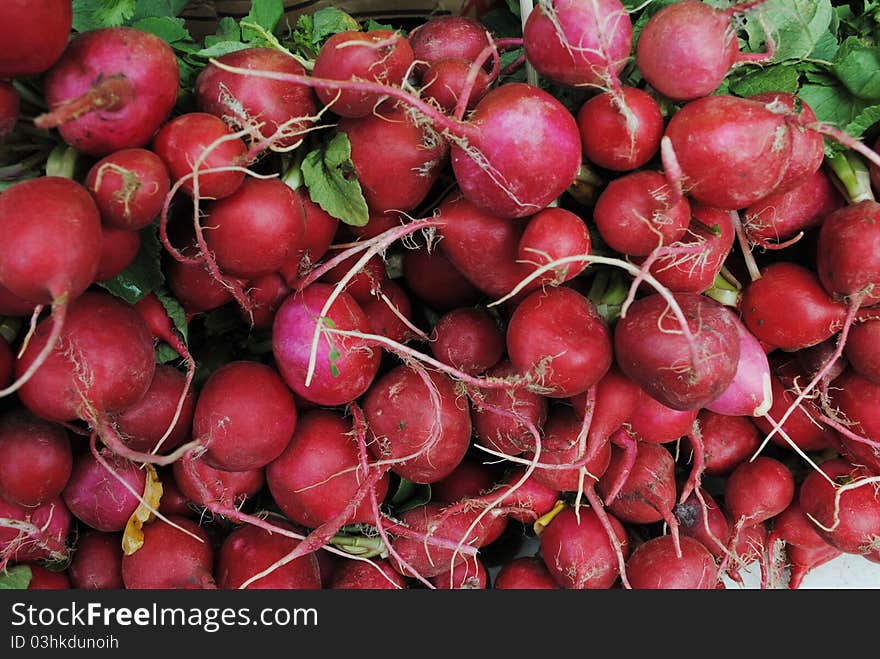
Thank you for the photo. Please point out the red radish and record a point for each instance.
(758, 490)
(9, 108)
(653, 351)
(469, 479)
(197, 141)
(360, 575)
(275, 111)
(245, 416)
(129, 187)
(97, 562)
(173, 501)
(436, 281)
(559, 338)
(639, 212)
(856, 401)
(620, 131)
(171, 559)
(693, 517)
(7, 363)
(248, 551)
(579, 42)
(524, 573)
(194, 287)
(803, 546)
(365, 283)
(469, 575)
(617, 398)
(111, 89)
(444, 81)
(206, 486)
(654, 565)
(848, 519)
(37, 459)
(386, 313)
(45, 579)
(354, 365)
(266, 292)
(654, 422)
(528, 500)
(377, 224)
(748, 545)
(379, 55)
(700, 135)
(11, 305)
(861, 349)
(318, 473)
(750, 392)
(420, 423)
(847, 253)
(319, 232)
(97, 498)
(34, 33)
(578, 552)
(727, 441)
(109, 368)
(499, 431)
(468, 339)
(34, 534)
(254, 230)
(119, 247)
(552, 234)
(445, 37)
(395, 160)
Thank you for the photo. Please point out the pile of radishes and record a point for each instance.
(632, 345)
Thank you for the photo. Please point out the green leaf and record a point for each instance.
(266, 14)
(165, 353)
(221, 48)
(857, 65)
(408, 495)
(143, 275)
(797, 26)
(149, 8)
(329, 21)
(779, 78)
(332, 183)
(826, 48)
(15, 578)
(501, 23)
(111, 13)
(836, 106)
(174, 310)
(227, 30)
(372, 26)
(169, 29)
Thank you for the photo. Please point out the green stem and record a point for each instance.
(62, 161)
(723, 291)
(29, 96)
(273, 42)
(359, 545)
(853, 175)
(293, 176)
(9, 328)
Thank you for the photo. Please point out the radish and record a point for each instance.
(173, 502)
(727, 441)
(318, 472)
(617, 398)
(469, 575)
(432, 277)
(652, 421)
(579, 42)
(620, 131)
(552, 234)
(129, 187)
(468, 339)
(687, 48)
(578, 553)
(171, 559)
(119, 247)
(34, 534)
(11, 305)
(527, 499)
(366, 281)
(34, 33)
(469, 479)
(97, 498)
(110, 90)
(266, 293)
(524, 573)
(847, 254)
(276, 112)
(45, 579)
(750, 393)
(37, 460)
(209, 487)
(248, 551)
(855, 401)
(655, 565)
(9, 109)
(319, 232)
(757, 490)
(700, 518)
(861, 349)
(683, 374)
(445, 37)
(803, 546)
(391, 313)
(7, 363)
(360, 575)
(97, 562)
(194, 287)
(445, 80)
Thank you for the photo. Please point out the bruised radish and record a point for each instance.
(97, 498)
(111, 89)
(34, 33)
(248, 550)
(468, 339)
(37, 459)
(171, 559)
(206, 486)
(129, 187)
(524, 573)
(655, 565)
(848, 253)
(758, 490)
(119, 248)
(694, 516)
(727, 441)
(97, 563)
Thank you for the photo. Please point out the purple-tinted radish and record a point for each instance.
(97, 498)
(750, 393)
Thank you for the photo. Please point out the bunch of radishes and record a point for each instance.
(472, 337)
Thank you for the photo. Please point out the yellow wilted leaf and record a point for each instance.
(133, 538)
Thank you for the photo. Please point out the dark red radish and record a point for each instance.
(620, 131)
(528, 499)
(319, 232)
(319, 472)
(365, 283)
(811, 361)
(847, 253)
(750, 393)
(848, 519)
(861, 349)
(803, 547)
(639, 212)
(855, 401)
(119, 247)
(469, 479)
(499, 431)
(758, 490)
(129, 187)
(173, 502)
(468, 339)
(111, 89)
(700, 136)
(579, 42)
(248, 551)
(579, 554)
(12, 305)
(445, 37)
(97, 562)
(7, 363)
(390, 314)
(727, 441)
(361, 575)
(444, 81)
(254, 230)
(434, 280)
(421, 424)
(34, 534)
(687, 48)
(788, 308)
(655, 565)
(560, 339)
(469, 575)
(395, 160)
(334, 383)
(653, 350)
(245, 416)
(9, 109)
(552, 234)
(266, 292)
(194, 287)
(782, 216)
(197, 141)
(171, 559)
(694, 516)
(45, 579)
(524, 573)
(103, 362)
(382, 56)
(206, 486)
(34, 33)
(97, 498)
(277, 112)
(377, 224)
(37, 459)
(652, 421)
